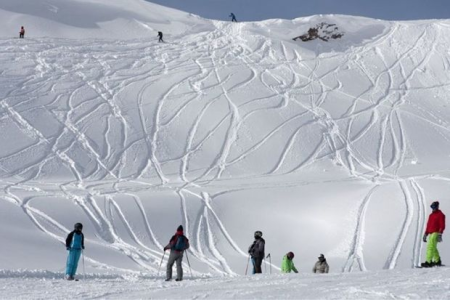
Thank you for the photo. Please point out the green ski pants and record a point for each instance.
(432, 251)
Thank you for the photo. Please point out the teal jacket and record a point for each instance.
(287, 266)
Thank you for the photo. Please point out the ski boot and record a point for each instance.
(426, 265)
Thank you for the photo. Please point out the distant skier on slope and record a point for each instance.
(435, 228)
(321, 265)
(160, 37)
(74, 244)
(233, 17)
(287, 265)
(177, 245)
(256, 251)
(22, 32)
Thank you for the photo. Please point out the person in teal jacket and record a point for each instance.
(74, 244)
(287, 266)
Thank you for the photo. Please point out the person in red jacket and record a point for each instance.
(435, 229)
(177, 245)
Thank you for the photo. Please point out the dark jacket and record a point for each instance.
(173, 242)
(70, 238)
(256, 250)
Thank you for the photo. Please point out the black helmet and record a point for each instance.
(290, 255)
(258, 234)
(78, 226)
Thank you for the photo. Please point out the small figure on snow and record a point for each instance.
(287, 265)
(22, 32)
(160, 37)
(256, 251)
(74, 244)
(177, 245)
(321, 265)
(233, 17)
(435, 229)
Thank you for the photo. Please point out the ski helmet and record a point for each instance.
(435, 205)
(258, 234)
(290, 255)
(78, 226)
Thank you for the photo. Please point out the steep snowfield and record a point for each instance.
(334, 148)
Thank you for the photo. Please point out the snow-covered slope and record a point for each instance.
(112, 19)
(334, 148)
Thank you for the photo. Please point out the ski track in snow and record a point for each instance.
(100, 135)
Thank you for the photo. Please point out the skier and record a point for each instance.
(233, 17)
(177, 245)
(435, 228)
(321, 265)
(22, 32)
(256, 251)
(74, 244)
(287, 266)
(160, 37)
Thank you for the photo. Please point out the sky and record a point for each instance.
(254, 10)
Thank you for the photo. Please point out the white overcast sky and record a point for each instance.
(253, 10)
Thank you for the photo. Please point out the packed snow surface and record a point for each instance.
(334, 148)
(415, 284)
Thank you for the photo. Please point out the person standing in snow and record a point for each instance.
(287, 265)
(177, 245)
(321, 265)
(256, 251)
(22, 32)
(233, 17)
(435, 229)
(160, 37)
(74, 244)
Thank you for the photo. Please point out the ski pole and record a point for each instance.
(246, 268)
(270, 262)
(84, 269)
(265, 265)
(189, 264)
(160, 264)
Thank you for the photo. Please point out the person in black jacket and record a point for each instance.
(256, 251)
(160, 37)
(177, 245)
(74, 244)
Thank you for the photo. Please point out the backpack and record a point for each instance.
(180, 243)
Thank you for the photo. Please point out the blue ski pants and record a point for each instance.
(72, 261)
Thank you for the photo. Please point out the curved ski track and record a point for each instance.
(177, 117)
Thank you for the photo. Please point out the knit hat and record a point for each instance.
(435, 205)
(180, 228)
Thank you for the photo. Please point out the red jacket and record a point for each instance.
(436, 222)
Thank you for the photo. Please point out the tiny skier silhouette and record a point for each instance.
(22, 32)
(233, 17)
(160, 37)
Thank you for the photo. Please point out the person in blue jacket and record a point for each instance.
(233, 17)
(74, 244)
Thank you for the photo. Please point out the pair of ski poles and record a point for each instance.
(187, 258)
(265, 264)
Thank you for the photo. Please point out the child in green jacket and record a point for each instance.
(287, 266)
